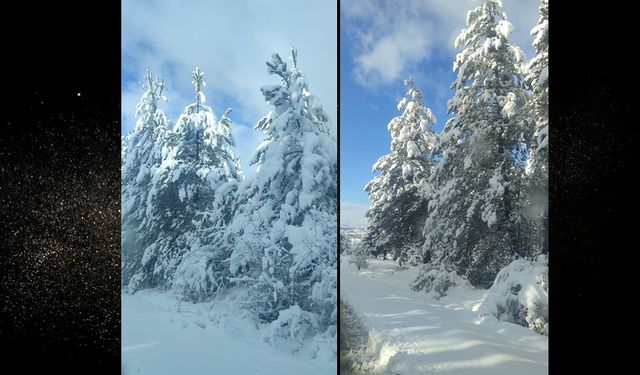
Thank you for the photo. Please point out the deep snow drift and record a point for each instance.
(161, 335)
(520, 295)
(414, 333)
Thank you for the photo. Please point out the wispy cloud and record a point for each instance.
(392, 37)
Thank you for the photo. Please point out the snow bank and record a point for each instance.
(520, 295)
(295, 331)
(437, 280)
(162, 335)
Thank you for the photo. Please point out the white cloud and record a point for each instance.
(129, 99)
(230, 41)
(392, 37)
(247, 140)
(353, 214)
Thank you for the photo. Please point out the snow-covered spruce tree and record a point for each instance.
(284, 233)
(539, 107)
(476, 224)
(191, 201)
(398, 200)
(141, 157)
(204, 271)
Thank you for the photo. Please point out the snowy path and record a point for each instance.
(158, 340)
(416, 334)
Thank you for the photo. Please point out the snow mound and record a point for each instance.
(437, 280)
(291, 329)
(519, 295)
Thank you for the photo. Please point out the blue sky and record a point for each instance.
(230, 41)
(382, 43)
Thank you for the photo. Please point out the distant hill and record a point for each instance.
(347, 228)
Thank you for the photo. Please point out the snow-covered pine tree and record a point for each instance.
(284, 233)
(204, 271)
(191, 201)
(398, 194)
(476, 223)
(539, 107)
(141, 157)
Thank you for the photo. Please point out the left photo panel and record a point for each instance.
(228, 187)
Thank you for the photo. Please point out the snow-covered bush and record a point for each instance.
(345, 243)
(324, 295)
(290, 330)
(520, 295)
(348, 242)
(437, 280)
(201, 275)
(352, 332)
(359, 258)
(353, 339)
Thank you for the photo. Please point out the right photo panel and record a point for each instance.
(444, 187)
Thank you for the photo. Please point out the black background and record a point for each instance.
(59, 268)
(592, 199)
(60, 188)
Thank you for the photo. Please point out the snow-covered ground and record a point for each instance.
(413, 333)
(163, 336)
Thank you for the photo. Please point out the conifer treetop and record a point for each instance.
(198, 82)
(155, 86)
